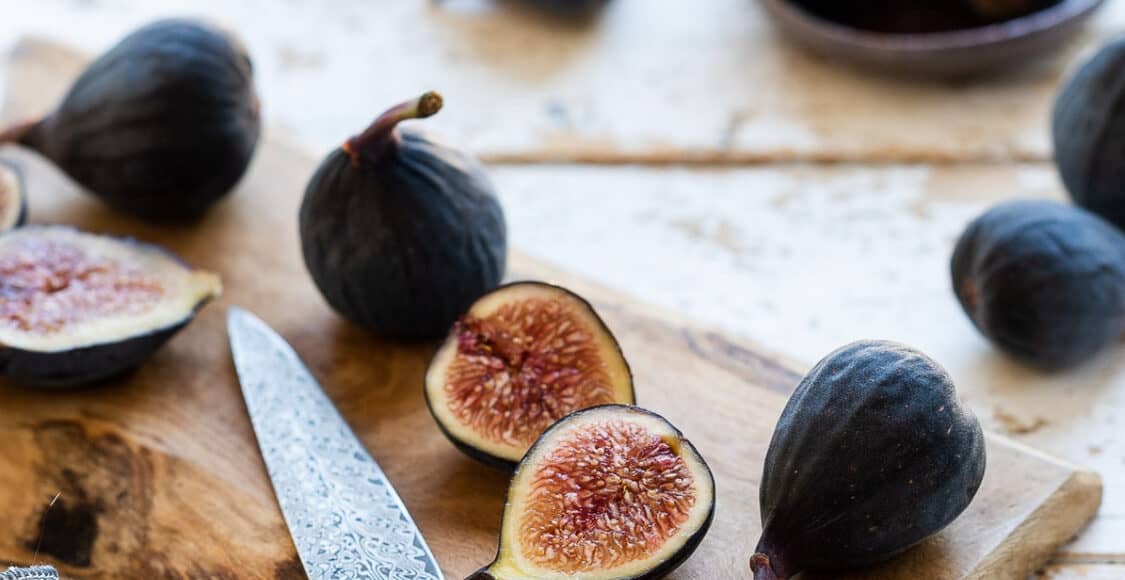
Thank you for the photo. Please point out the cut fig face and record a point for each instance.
(77, 307)
(13, 197)
(522, 357)
(610, 492)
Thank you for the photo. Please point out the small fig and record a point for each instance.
(872, 454)
(77, 307)
(1042, 280)
(160, 126)
(1088, 129)
(13, 197)
(522, 357)
(607, 493)
(399, 232)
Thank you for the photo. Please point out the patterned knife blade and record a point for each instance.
(344, 516)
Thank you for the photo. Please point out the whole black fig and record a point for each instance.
(161, 126)
(400, 233)
(1044, 281)
(872, 454)
(1088, 128)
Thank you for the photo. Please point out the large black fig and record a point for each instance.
(607, 493)
(872, 454)
(13, 197)
(1043, 280)
(77, 307)
(161, 126)
(1088, 127)
(522, 357)
(400, 233)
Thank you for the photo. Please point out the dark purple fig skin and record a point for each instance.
(21, 219)
(89, 363)
(1042, 280)
(1088, 129)
(920, 16)
(872, 454)
(402, 235)
(85, 364)
(162, 125)
(571, 8)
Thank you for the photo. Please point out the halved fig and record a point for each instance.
(522, 357)
(77, 307)
(13, 197)
(610, 492)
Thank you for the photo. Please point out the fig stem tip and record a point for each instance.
(380, 138)
(760, 566)
(428, 104)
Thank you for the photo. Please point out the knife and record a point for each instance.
(345, 518)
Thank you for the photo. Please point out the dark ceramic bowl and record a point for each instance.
(945, 53)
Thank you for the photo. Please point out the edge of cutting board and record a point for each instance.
(1058, 518)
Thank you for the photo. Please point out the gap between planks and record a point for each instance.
(1080, 572)
(727, 159)
(1068, 559)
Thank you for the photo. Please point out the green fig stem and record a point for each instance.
(762, 569)
(18, 133)
(380, 137)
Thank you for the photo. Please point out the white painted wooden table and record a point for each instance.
(690, 157)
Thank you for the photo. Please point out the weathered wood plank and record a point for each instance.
(650, 81)
(1082, 572)
(805, 259)
(168, 449)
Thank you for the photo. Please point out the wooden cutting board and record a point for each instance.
(158, 474)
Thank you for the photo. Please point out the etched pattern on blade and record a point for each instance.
(345, 518)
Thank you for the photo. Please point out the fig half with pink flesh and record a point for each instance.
(522, 357)
(77, 307)
(13, 197)
(606, 493)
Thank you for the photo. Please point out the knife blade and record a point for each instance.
(346, 519)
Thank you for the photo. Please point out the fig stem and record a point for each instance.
(760, 566)
(374, 142)
(18, 132)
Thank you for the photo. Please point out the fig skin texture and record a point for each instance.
(999, 10)
(692, 518)
(569, 8)
(872, 454)
(1044, 281)
(1088, 129)
(77, 308)
(400, 233)
(521, 379)
(161, 126)
(13, 197)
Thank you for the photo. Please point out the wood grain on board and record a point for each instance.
(158, 475)
(804, 258)
(1080, 572)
